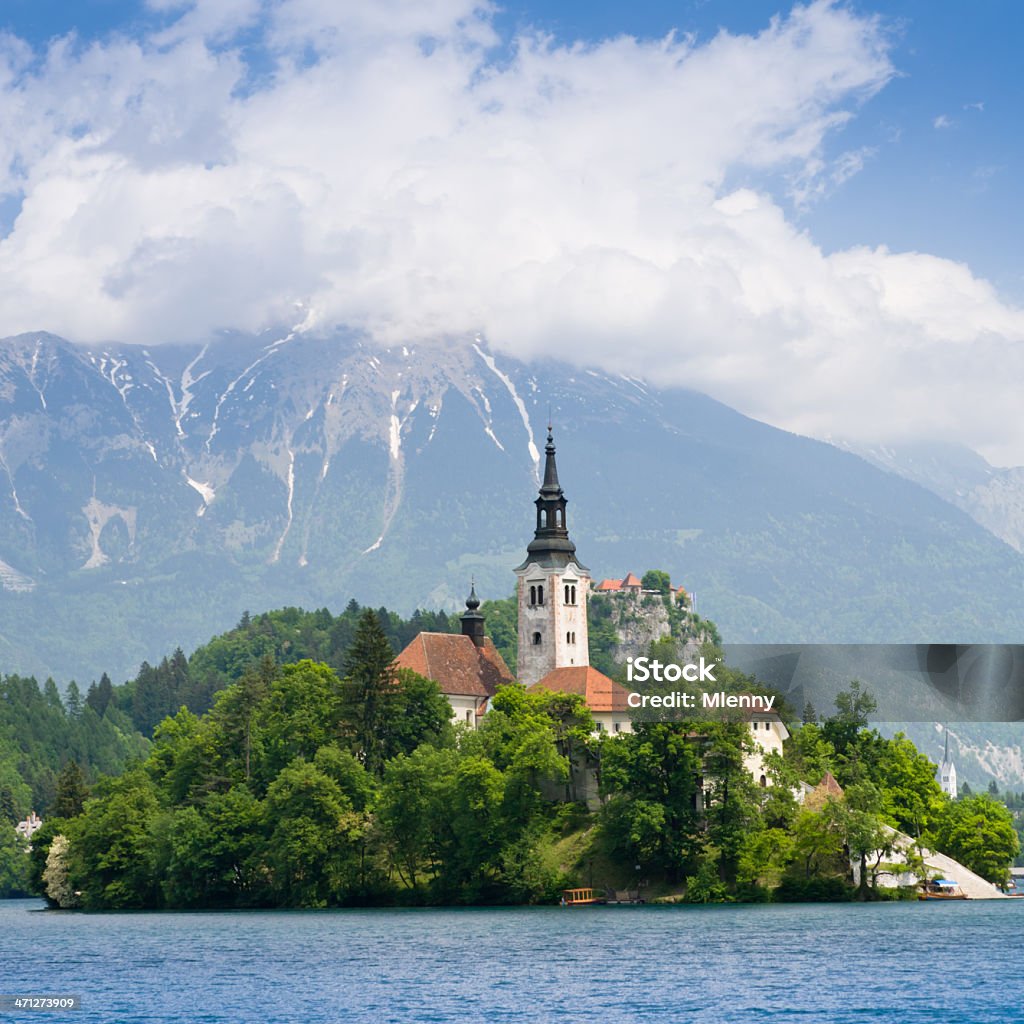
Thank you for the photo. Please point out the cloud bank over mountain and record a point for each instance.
(400, 168)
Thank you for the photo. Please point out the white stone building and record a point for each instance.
(769, 732)
(30, 826)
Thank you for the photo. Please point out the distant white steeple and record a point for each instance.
(947, 771)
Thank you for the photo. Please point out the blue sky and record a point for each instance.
(815, 219)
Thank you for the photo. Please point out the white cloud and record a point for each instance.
(943, 121)
(384, 166)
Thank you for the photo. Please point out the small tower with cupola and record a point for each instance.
(551, 588)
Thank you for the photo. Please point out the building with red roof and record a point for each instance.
(606, 699)
(466, 666)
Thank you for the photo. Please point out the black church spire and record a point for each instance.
(551, 545)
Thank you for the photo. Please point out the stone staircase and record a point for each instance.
(973, 885)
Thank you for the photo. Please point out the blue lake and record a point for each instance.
(908, 962)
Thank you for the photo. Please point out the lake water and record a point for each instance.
(905, 962)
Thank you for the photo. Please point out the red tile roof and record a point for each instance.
(456, 664)
(609, 585)
(601, 693)
(631, 581)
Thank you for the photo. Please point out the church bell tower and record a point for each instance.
(551, 588)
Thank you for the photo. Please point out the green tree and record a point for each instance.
(300, 714)
(531, 735)
(818, 839)
(14, 863)
(111, 845)
(652, 817)
(369, 680)
(442, 813)
(313, 839)
(72, 791)
(410, 803)
(868, 840)
(911, 798)
(978, 831)
(387, 711)
(100, 695)
(73, 699)
(706, 886)
(853, 710)
(209, 855)
(656, 579)
(763, 858)
(731, 804)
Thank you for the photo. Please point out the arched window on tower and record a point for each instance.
(763, 782)
(567, 593)
(540, 594)
(572, 591)
(533, 595)
(536, 639)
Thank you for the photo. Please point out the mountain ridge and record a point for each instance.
(157, 493)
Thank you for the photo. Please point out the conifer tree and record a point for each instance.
(100, 695)
(72, 791)
(52, 695)
(73, 700)
(369, 679)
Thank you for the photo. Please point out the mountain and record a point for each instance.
(149, 496)
(980, 751)
(992, 496)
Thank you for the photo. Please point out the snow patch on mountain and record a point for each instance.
(291, 497)
(205, 491)
(519, 404)
(32, 373)
(14, 581)
(98, 514)
(14, 491)
(268, 351)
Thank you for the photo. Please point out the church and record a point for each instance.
(552, 586)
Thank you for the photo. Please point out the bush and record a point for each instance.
(813, 890)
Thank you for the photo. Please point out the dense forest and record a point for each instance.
(303, 786)
(286, 763)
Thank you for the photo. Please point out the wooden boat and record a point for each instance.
(941, 889)
(580, 898)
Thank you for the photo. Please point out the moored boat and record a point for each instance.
(580, 898)
(941, 889)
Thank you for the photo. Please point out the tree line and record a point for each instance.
(303, 786)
